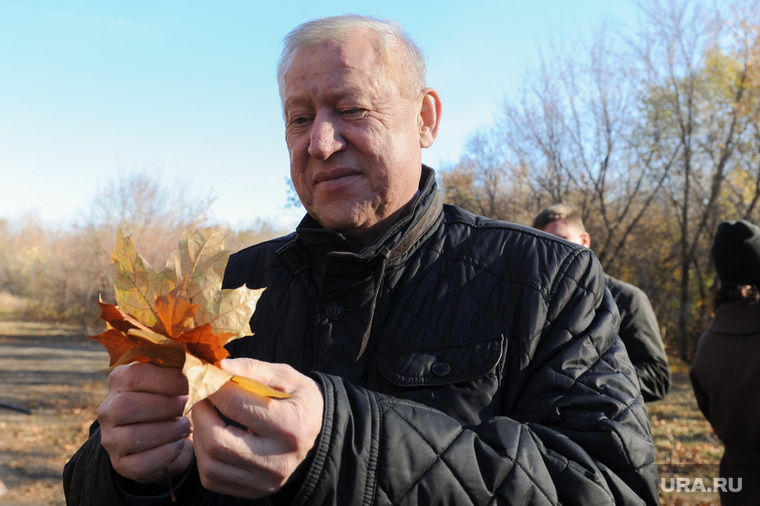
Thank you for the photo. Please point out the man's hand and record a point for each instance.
(141, 422)
(257, 462)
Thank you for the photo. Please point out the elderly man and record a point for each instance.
(433, 356)
(639, 329)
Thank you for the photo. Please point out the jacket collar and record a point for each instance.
(424, 211)
(736, 318)
(313, 244)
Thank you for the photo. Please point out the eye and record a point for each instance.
(297, 121)
(353, 112)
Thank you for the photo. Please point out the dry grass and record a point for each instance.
(685, 445)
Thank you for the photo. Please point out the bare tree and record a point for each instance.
(484, 183)
(653, 141)
(698, 71)
(573, 130)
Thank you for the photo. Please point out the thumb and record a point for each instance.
(278, 376)
(247, 367)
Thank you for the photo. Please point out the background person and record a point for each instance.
(433, 356)
(724, 372)
(639, 329)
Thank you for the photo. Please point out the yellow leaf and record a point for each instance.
(207, 379)
(198, 267)
(229, 311)
(259, 388)
(203, 379)
(179, 317)
(136, 284)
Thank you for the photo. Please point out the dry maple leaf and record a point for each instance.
(179, 317)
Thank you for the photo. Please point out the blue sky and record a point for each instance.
(186, 90)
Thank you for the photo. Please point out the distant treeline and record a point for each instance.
(60, 272)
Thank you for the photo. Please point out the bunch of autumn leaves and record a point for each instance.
(180, 316)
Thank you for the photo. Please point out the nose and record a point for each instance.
(325, 138)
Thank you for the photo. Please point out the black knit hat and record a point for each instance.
(736, 251)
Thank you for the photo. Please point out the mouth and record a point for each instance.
(335, 176)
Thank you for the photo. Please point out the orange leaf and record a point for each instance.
(166, 354)
(204, 344)
(118, 319)
(175, 314)
(124, 348)
(116, 344)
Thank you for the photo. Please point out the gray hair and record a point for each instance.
(411, 74)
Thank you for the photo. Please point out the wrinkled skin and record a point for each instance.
(141, 422)
(354, 139)
(256, 462)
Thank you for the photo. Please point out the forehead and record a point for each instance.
(560, 228)
(352, 64)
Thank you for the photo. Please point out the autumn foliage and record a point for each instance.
(179, 316)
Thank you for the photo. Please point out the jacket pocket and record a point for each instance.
(445, 366)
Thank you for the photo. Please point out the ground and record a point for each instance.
(685, 445)
(58, 373)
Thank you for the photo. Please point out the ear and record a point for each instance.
(430, 117)
(585, 239)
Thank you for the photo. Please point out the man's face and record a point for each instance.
(562, 229)
(354, 141)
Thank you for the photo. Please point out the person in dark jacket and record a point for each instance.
(432, 356)
(639, 329)
(724, 372)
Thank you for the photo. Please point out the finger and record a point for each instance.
(281, 433)
(137, 438)
(239, 481)
(250, 410)
(155, 464)
(219, 441)
(207, 424)
(274, 375)
(148, 378)
(229, 459)
(125, 408)
(292, 418)
(210, 433)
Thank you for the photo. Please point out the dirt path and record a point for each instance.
(58, 374)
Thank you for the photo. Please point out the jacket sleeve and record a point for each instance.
(703, 401)
(701, 363)
(88, 478)
(578, 432)
(640, 333)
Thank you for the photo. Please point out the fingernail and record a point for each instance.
(185, 425)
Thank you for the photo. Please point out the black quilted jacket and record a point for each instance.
(463, 361)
